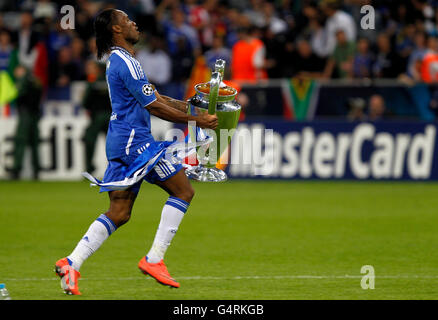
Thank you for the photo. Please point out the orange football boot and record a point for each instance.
(69, 277)
(157, 271)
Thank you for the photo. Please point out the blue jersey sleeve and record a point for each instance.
(137, 83)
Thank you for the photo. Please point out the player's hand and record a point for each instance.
(207, 121)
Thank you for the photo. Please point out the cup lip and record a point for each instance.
(220, 97)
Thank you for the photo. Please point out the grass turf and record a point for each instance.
(239, 240)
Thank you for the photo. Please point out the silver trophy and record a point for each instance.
(213, 97)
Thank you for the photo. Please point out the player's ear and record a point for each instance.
(116, 28)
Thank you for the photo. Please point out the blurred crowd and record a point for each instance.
(259, 39)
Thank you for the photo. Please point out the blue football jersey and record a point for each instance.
(130, 92)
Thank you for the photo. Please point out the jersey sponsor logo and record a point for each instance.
(147, 90)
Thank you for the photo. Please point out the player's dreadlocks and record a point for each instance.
(102, 28)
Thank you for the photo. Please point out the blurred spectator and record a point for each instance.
(254, 11)
(341, 62)
(307, 64)
(30, 91)
(414, 64)
(65, 70)
(58, 38)
(425, 12)
(218, 51)
(5, 49)
(84, 16)
(44, 9)
(156, 63)
(218, 17)
(315, 28)
(363, 60)
(91, 49)
(401, 15)
(376, 108)
(182, 43)
(336, 20)
(271, 21)
(78, 57)
(387, 63)
(429, 65)
(232, 20)
(27, 39)
(179, 35)
(306, 18)
(357, 108)
(31, 53)
(405, 43)
(248, 57)
(276, 56)
(145, 16)
(97, 103)
(199, 18)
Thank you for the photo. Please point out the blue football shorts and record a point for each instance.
(162, 171)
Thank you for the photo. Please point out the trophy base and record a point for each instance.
(204, 174)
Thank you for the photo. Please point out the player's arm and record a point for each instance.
(146, 95)
(181, 106)
(166, 112)
(174, 103)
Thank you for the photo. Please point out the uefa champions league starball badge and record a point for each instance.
(213, 97)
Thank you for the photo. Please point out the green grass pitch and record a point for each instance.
(239, 240)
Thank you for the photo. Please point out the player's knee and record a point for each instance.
(119, 217)
(124, 218)
(187, 195)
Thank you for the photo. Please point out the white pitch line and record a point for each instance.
(240, 278)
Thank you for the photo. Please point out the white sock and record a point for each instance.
(97, 233)
(171, 217)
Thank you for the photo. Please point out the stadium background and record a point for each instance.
(344, 103)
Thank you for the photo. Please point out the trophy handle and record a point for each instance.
(214, 91)
(219, 66)
(215, 82)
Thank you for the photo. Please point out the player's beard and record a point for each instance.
(133, 39)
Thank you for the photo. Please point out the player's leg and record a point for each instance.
(121, 203)
(119, 212)
(180, 195)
